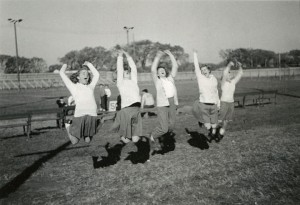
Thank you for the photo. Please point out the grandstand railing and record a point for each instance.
(48, 80)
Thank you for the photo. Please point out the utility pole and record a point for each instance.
(127, 32)
(133, 44)
(16, 42)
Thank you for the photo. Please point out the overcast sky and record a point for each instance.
(51, 28)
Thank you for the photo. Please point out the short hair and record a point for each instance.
(61, 98)
(126, 67)
(145, 90)
(74, 76)
(163, 67)
(205, 65)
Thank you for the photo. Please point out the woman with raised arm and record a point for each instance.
(81, 87)
(166, 97)
(128, 121)
(206, 108)
(228, 84)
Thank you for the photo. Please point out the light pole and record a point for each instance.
(133, 44)
(127, 31)
(16, 41)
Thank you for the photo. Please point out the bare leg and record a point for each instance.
(223, 128)
(73, 139)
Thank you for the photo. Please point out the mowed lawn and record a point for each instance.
(257, 162)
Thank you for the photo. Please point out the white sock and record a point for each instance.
(125, 140)
(222, 131)
(151, 138)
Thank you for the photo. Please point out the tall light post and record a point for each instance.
(127, 31)
(133, 44)
(14, 21)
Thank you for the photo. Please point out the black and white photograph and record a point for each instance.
(137, 102)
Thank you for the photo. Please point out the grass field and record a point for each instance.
(257, 162)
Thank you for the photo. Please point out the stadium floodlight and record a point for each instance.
(127, 30)
(14, 21)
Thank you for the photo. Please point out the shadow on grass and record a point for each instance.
(47, 128)
(197, 140)
(14, 184)
(45, 152)
(22, 135)
(143, 152)
(167, 143)
(112, 158)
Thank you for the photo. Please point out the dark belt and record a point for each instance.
(208, 103)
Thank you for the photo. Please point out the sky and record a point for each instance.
(52, 28)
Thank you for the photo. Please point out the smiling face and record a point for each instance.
(205, 71)
(126, 74)
(161, 72)
(83, 77)
(229, 77)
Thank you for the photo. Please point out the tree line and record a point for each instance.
(26, 65)
(143, 52)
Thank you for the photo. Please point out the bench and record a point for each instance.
(57, 114)
(17, 120)
(68, 111)
(267, 96)
(257, 98)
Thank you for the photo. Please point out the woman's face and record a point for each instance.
(126, 74)
(83, 77)
(205, 71)
(161, 72)
(229, 77)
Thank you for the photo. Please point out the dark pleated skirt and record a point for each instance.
(85, 126)
(128, 122)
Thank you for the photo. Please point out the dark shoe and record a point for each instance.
(95, 160)
(155, 146)
(210, 137)
(171, 133)
(187, 131)
(200, 124)
(220, 136)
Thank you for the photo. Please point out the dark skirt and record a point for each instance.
(128, 122)
(85, 126)
(205, 113)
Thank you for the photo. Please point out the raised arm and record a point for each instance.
(69, 84)
(132, 66)
(155, 65)
(226, 72)
(95, 73)
(196, 64)
(174, 63)
(239, 75)
(120, 68)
